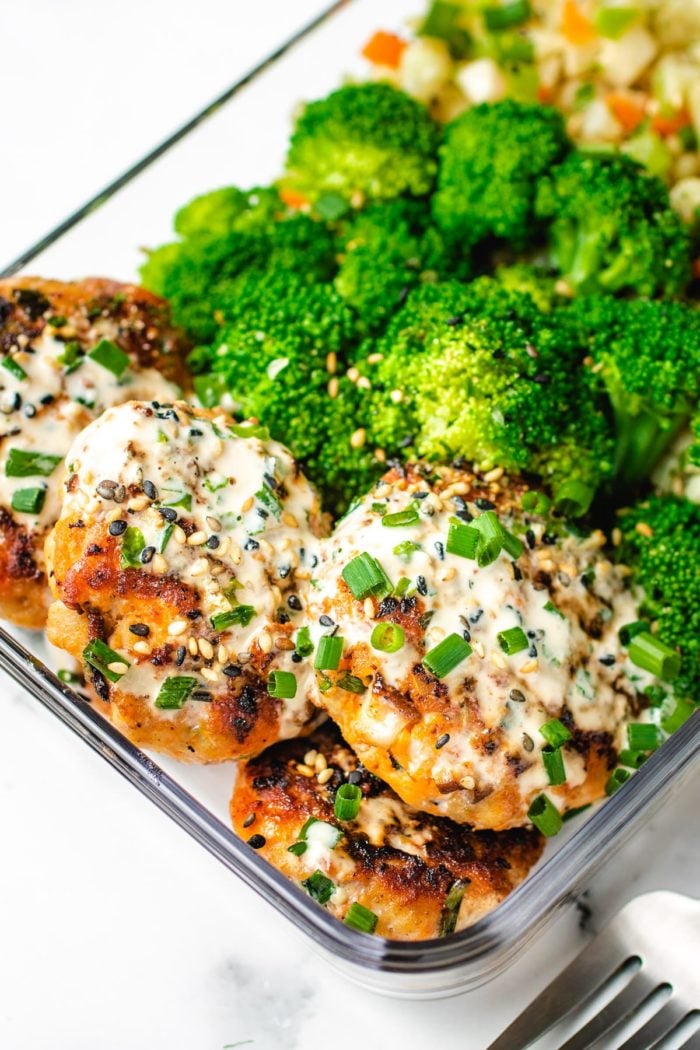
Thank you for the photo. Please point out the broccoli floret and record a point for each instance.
(367, 139)
(480, 372)
(386, 249)
(661, 543)
(646, 354)
(613, 228)
(284, 361)
(208, 275)
(490, 162)
(537, 282)
(222, 211)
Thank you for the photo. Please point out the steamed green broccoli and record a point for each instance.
(367, 139)
(478, 371)
(612, 227)
(646, 354)
(535, 281)
(661, 543)
(490, 162)
(223, 211)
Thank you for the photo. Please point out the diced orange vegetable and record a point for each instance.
(292, 198)
(628, 111)
(545, 94)
(577, 29)
(384, 49)
(670, 123)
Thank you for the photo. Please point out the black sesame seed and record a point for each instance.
(475, 616)
(548, 539)
(193, 614)
(541, 378)
(454, 321)
(532, 651)
(440, 548)
(466, 635)
(531, 540)
(256, 841)
(517, 572)
(421, 585)
(284, 571)
(47, 399)
(294, 603)
(141, 630)
(325, 621)
(528, 742)
(517, 696)
(232, 671)
(296, 658)
(485, 504)
(169, 513)
(282, 616)
(118, 527)
(119, 494)
(262, 512)
(441, 741)
(420, 495)
(195, 432)
(213, 542)
(150, 490)
(201, 696)
(147, 555)
(270, 481)
(29, 411)
(251, 544)
(250, 819)
(388, 606)
(355, 777)
(180, 655)
(607, 661)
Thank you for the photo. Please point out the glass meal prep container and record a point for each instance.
(241, 139)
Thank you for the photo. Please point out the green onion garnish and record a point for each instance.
(365, 576)
(13, 367)
(209, 389)
(555, 733)
(553, 760)
(360, 918)
(633, 759)
(406, 549)
(303, 645)
(653, 655)
(641, 736)
(99, 655)
(573, 498)
(181, 499)
(503, 16)
(462, 540)
(450, 909)
(319, 886)
(550, 607)
(630, 630)
(282, 685)
(491, 538)
(447, 655)
(132, 545)
(616, 779)
(330, 649)
(241, 615)
(512, 545)
(174, 692)
(545, 816)
(108, 354)
(387, 637)
(675, 712)
(250, 430)
(167, 534)
(347, 801)
(512, 641)
(409, 516)
(297, 848)
(351, 684)
(402, 587)
(536, 502)
(72, 357)
(28, 501)
(22, 464)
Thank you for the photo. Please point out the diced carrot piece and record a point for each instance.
(384, 49)
(545, 94)
(292, 198)
(628, 111)
(670, 124)
(576, 28)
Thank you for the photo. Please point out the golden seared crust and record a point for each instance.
(221, 525)
(49, 391)
(466, 743)
(396, 861)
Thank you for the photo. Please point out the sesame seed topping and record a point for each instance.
(177, 627)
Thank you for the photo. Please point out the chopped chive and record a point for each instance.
(545, 816)
(512, 545)
(675, 712)
(250, 430)
(512, 641)
(553, 761)
(351, 684)
(22, 464)
(573, 498)
(72, 357)
(360, 918)
(347, 801)
(365, 576)
(282, 685)
(169, 529)
(629, 630)
(555, 733)
(535, 502)
(409, 516)
(550, 607)
(230, 591)
(491, 538)
(13, 367)
(387, 637)
(451, 906)
(174, 692)
(633, 759)
(133, 543)
(99, 655)
(447, 655)
(462, 540)
(641, 736)
(108, 354)
(28, 501)
(269, 499)
(297, 848)
(241, 616)
(303, 645)
(182, 499)
(655, 656)
(319, 886)
(617, 778)
(503, 16)
(328, 653)
(402, 587)
(406, 549)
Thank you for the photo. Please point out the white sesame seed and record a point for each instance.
(159, 565)
(479, 649)
(117, 667)
(358, 439)
(310, 757)
(247, 505)
(177, 627)
(331, 362)
(363, 383)
(396, 396)
(368, 607)
(197, 538)
(179, 535)
(468, 782)
(320, 763)
(290, 520)
(222, 654)
(380, 455)
(209, 674)
(206, 648)
(495, 474)
(138, 503)
(265, 642)
(530, 666)
(192, 646)
(306, 771)
(374, 359)
(448, 574)
(333, 387)
(199, 567)
(142, 647)
(353, 374)
(325, 775)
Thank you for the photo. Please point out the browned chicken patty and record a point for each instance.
(422, 876)
(473, 685)
(67, 351)
(176, 565)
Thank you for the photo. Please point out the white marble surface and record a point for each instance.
(117, 932)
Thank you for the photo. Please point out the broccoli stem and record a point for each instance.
(642, 438)
(586, 258)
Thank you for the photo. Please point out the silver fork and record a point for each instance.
(636, 986)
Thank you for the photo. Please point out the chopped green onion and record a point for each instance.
(167, 534)
(656, 695)
(553, 761)
(351, 684)
(99, 655)
(462, 540)
(331, 206)
(535, 502)
(241, 615)
(250, 430)
(28, 501)
(655, 656)
(210, 389)
(571, 813)
(512, 545)
(319, 886)
(613, 22)
(555, 733)
(402, 587)
(674, 712)
(405, 550)
(491, 538)
(550, 607)
(22, 464)
(503, 16)
(642, 736)
(442, 23)
(451, 906)
(360, 918)
(230, 591)
(328, 653)
(108, 354)
(298, 848)
(347, 801)
(303, 645)
(545, 816)
(133, 543)
(365, 576)
(72, 357)
(387, 637)
(573, 498)
(269, 499)
(282, 685)
(616, 779)
(181, 499)
(174, 692)
(512, 641)
(633, 759)
(409, 516)
(14, 367)
(629, 630)
(447, 655)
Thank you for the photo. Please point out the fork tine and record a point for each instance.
(600, 960)
(671, 1014)
(618, 1011)
(694, 1042)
